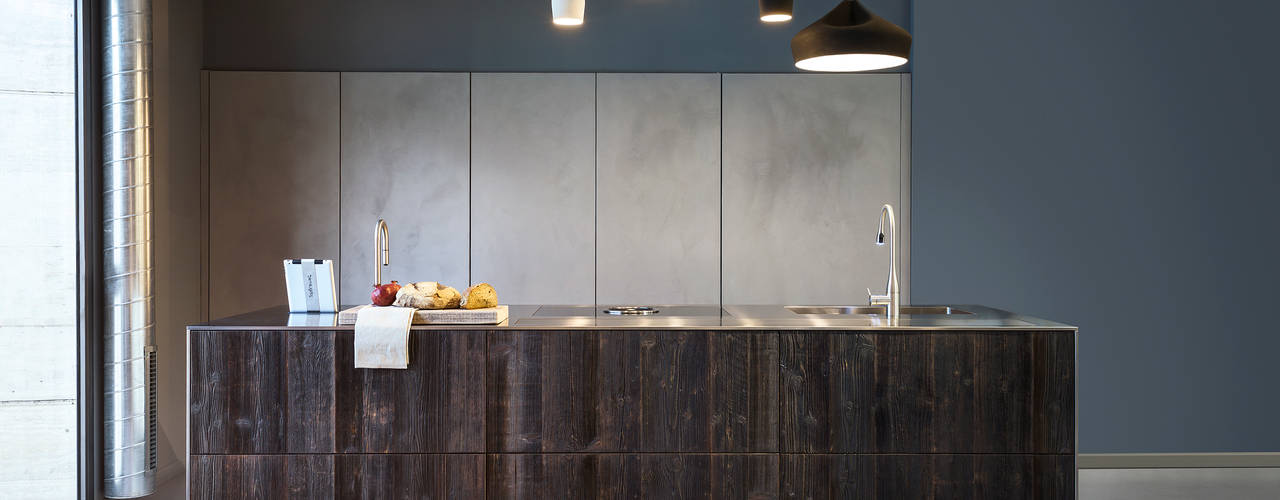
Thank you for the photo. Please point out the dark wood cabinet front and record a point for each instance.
(261, 392)
(650, 475)
(626, 391)
(927, 477)
(637, 414)
(927, 392)
(434, 406)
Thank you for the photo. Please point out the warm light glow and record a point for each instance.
(568, 12)
(775, 18)
(850, 62)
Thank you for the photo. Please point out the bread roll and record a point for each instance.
(481, 296)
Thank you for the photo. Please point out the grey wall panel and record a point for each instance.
(658, 190)
(404, 159)
(533, 186)
(808, 161)
(273, 182)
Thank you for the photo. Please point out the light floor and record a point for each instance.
(1180, 484)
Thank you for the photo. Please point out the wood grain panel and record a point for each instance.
(827, 391)
(229, 477)
(565, 391)
(613, 391)
(744, 391)
(261, 392)
(1054, 393)
(903, 394)
(513, 378)
(744, 476)
(410, 476)
(675, 410)
(926, 477)
(621, 391)
(633, 476)
(436, 405)
(571, 409)
(952, 376)
(564, 476)
(937, 392)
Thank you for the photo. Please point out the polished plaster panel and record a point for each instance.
(533, 186)
(808, 161)
(273, 182)
(405, 160)
(658, 191)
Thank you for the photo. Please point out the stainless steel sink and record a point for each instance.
(875, 310)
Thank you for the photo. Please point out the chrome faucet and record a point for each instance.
(381, 250)
(890, 299)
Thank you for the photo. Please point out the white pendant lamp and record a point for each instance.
(568, 12)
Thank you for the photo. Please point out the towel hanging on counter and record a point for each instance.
(382, 337)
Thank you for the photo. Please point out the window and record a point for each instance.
(38, 260)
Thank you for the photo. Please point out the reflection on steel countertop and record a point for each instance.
(672, 317)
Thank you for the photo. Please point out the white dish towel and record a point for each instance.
(382, 337)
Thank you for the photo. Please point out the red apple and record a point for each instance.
(384, 295)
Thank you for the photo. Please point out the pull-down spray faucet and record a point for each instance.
(381, 250)
(890, 299)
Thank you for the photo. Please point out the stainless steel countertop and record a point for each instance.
(677, 317)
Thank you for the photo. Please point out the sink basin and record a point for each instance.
(875, 310)
(835, 310)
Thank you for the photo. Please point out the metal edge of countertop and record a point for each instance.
(733, 317)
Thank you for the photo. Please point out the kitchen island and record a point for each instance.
(695, 401)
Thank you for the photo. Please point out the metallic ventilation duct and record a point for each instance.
(129, 354)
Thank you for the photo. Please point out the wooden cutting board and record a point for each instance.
(486, 316)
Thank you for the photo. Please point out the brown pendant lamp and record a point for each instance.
(850, 38)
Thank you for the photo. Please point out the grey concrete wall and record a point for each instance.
(273, 182)
(405, 159)
(1112, 165)
(533, 185)
(555, 187)
(808, 162)
(658, 188)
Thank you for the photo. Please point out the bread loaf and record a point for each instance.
(428, 295)
(481, 296)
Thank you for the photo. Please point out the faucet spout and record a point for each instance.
(891, 297)
(381, 250)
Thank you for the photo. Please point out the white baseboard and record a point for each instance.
(1176, 460)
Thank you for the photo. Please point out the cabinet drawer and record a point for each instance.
(927, 392)
(261, 391)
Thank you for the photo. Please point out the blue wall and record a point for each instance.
(1108, 164)
(1113, 165)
